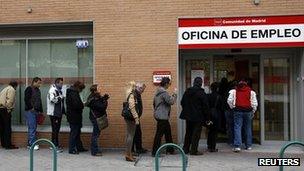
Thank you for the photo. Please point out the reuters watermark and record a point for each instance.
(279, 162)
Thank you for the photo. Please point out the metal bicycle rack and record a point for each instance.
(32, 154)
(282, 151)
(181, 151)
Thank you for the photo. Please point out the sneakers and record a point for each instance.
(74, 152)
(36, 147)
(237, 149)
(249, 148)
(58, 149)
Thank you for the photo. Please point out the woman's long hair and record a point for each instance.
(94, 93)
(130, 88)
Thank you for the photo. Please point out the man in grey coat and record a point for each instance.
(162, 107)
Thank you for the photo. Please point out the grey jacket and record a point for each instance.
(162, 104)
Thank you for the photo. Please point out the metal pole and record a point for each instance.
(282, 151)
(181, 151)
(32, 154)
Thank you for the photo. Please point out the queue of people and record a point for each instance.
(238, 103)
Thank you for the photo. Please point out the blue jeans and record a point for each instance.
(31, 120)
(242, 119)
(230, 126)
(94, 139)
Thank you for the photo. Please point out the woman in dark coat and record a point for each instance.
(215, 104)
(74, 116)
(98, 105)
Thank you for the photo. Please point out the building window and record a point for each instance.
(50, 58)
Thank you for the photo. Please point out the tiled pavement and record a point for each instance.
(18, 160)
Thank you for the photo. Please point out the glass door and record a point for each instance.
(277, 98)
(201, 68)
(233, 68)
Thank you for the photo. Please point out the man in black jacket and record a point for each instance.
(137, 141)
(74, 116)
(33, 106)
(196, 112)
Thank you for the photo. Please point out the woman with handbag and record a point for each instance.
(98, 105)
(131, 118)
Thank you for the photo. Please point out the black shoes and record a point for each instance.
(142, 151)
(186, 151)
(197, 153)
(135, 154)
(82, 150)
(73, 152)
(171, 152)
(97, 154)
(213, 150)
(11, 147)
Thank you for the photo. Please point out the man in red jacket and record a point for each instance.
(242, 100)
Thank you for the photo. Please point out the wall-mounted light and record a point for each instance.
(29, 10)
(256, 2)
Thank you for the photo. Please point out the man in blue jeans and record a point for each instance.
(33, 106)
(242, 100)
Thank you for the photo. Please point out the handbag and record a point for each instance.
(102, 122)
(126, 111)
(40, 118)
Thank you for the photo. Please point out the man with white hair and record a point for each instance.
(137, 141)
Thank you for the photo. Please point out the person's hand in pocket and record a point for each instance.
(136, 121)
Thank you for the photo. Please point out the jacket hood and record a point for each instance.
(243, 87)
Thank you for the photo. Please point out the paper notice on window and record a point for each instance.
(197, 73)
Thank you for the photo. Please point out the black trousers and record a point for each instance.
(212, 137)
(75, 143)
(5, 128)
(192, 137)
(137, 140)
(56, 124)
(163, 127)
(213, 129)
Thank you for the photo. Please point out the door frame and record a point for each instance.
(263, 54)
(292, 105)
